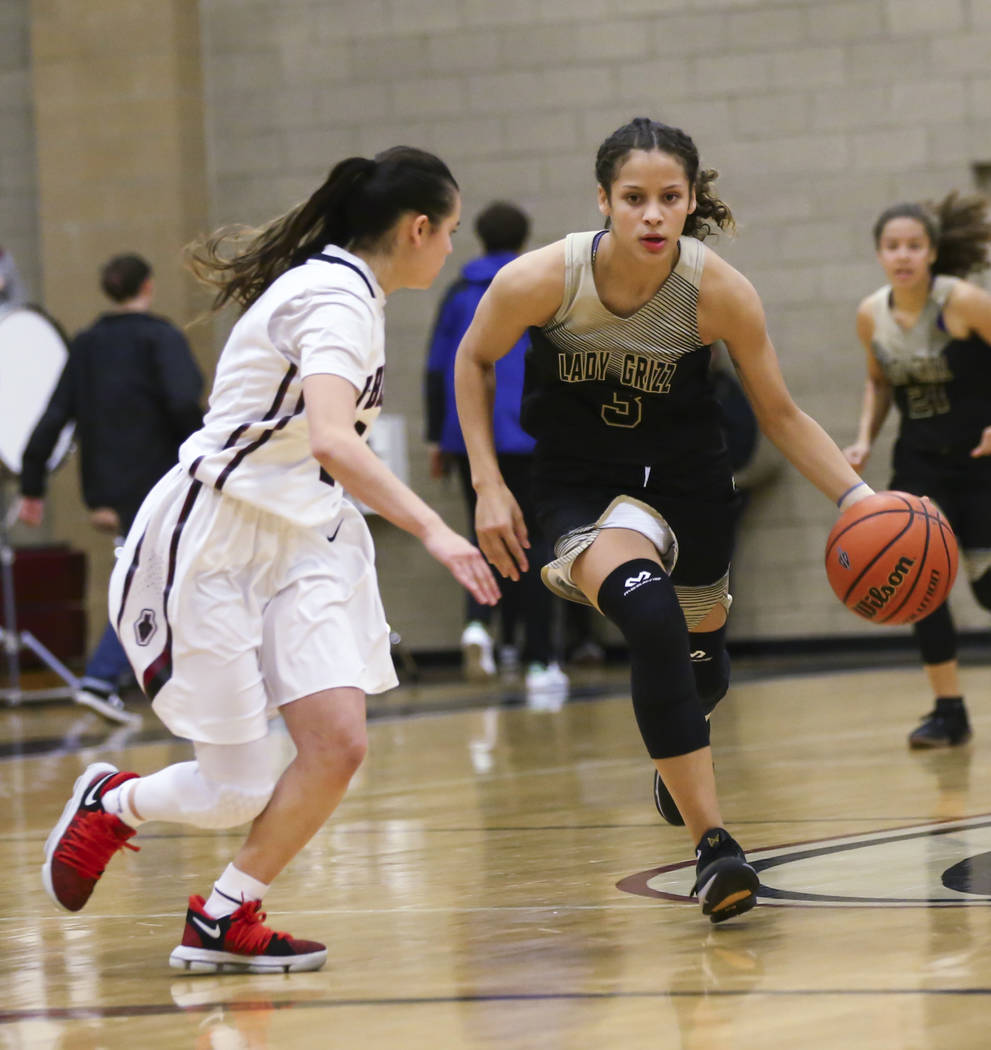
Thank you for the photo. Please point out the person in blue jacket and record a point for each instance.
(503, 229)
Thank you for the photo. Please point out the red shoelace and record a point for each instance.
(247, 933)
(90, 840)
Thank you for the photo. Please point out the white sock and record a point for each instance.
(117, 801)
(231, 890)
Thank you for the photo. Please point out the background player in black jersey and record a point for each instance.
(926, 334)
(632, 474)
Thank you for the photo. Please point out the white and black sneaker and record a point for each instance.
(725, 884)
(240, 943)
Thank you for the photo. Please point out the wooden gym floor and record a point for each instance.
(497, 877)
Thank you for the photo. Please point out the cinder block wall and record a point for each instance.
(816, 113)
(18, 169)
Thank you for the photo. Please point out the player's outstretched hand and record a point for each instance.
(464, 561)
(857, 455)
(984, 446)
(501, 531)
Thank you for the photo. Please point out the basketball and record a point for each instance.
(892, 558)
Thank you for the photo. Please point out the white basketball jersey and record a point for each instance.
(326, 316)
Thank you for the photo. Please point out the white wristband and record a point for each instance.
(854, 494)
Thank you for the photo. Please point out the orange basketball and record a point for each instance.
(892, 558)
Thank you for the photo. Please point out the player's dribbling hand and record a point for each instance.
(857, 455)
(984, 445)
(465, 563)
(501, 531)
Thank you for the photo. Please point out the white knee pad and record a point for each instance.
(227, 785)
(238, 779)
(624, 512)
(226, 805)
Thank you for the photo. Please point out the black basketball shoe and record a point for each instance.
(725, 884)
(946, 725)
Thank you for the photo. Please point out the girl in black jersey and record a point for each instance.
(632, 476)
(926, 334)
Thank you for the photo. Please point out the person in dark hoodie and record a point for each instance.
(503, 229)
(133, 389)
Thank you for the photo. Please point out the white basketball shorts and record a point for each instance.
(227, 612)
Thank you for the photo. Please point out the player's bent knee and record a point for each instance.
(228, 805)
(639, 598)
(240, 806)
(333, 755)
(353, 752)
(712, 677)
(233, 783)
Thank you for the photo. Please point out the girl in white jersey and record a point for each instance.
(632, 476)
(927, 335)
(247, 583)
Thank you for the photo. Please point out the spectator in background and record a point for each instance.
(12, 290)
(132, 388)
(503, 229)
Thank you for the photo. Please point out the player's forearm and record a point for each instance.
(877, 402)
(474, 387)
(813, 453)
(352, 464)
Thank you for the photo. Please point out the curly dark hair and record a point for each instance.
(710, 213)
(958, 226)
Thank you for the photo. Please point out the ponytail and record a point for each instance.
(964, 234)
(957, 226)
(355, 207)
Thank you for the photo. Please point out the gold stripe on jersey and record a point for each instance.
(641, 351)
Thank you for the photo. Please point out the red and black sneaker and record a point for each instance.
(241, 943)
(85, 838)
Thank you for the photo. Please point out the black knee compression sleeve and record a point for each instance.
(711, 665)
(936, 636)
(639, 598)
(982, 589)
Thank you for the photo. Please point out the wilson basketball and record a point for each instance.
(892, 558)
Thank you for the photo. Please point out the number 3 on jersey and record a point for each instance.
(622, 411)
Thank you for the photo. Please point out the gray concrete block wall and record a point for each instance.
(817, 114)
(18, 188)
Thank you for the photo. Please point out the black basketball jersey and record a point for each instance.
(623, 389)
(941, 385)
